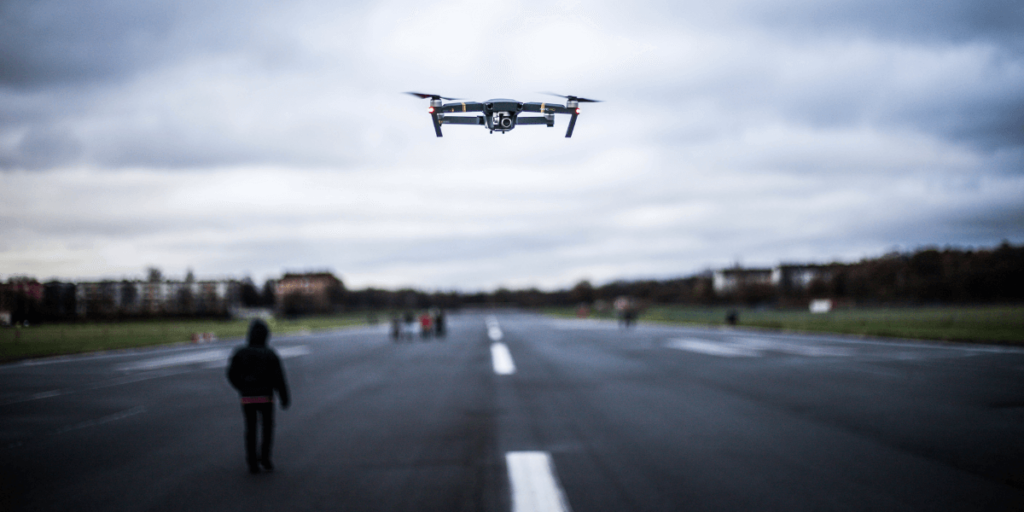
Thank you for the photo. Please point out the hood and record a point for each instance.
(258, 333)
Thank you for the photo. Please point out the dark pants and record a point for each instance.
(266, 411)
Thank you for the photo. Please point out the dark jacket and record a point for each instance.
(256, 370)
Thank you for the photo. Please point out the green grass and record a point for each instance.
(986, 324)
(61, 339)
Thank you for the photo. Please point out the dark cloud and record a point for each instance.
(929, 21)
(58, 42)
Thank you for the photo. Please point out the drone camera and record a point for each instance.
(506, 122)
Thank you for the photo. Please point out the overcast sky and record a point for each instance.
(251, 138)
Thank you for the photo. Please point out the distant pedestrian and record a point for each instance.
(396, 328)
(426, 325)
(439, 327)
(629, 316)
(256, 373)
(732, 317)
(410, 324)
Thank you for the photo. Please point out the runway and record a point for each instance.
(519, 412)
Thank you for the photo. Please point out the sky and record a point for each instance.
(255, 138)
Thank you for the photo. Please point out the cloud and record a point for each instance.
(261, 136)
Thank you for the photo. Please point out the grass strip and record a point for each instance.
(61, 339)
(980, 324)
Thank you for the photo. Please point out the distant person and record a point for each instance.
(256, 373)
(732, 317)
(410, 324)
(426, 325)
(629, 316)
(396, 328)
(439, 324)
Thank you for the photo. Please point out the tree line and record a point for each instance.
(926, 276)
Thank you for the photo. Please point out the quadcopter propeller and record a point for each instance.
(431, 96)
(574, 98)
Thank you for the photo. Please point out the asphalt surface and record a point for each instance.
(650, 418)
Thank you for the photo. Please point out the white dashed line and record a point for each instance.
(493, 329)
(534, 484)
(494, 333)
(502, 359)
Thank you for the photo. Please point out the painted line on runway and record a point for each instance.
(584, 324)
(161, 363)
(494, 333)
(204, 356)
(218, 358)
(106, 419)
(493, 329)
(722, 349)
(535, 486)
(753, 347)
(501, 359)
(293, 351)
(793, 347)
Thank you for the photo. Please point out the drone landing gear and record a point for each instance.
(572, 124)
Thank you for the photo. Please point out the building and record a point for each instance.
(734, 279)
(157, 298)
(20, 298)
(318, 292)
(790, 278)
(784, 279)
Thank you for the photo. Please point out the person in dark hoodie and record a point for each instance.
(255, 371)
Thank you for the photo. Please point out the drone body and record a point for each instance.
(500, 115)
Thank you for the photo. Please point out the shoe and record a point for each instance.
(267, 465)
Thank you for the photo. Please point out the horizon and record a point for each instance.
(451, 289)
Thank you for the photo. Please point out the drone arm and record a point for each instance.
(535, 120)
(474, 120)
(546, 108)
(462, 106)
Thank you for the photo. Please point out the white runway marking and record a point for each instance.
(493, 329)
(584, 324)
(217, 358)
(106, 419)
(204, 356)
(501, 359)
(494, 333)
(712, 348)
(792, 347)
(534, 484)
(294, 351)
(753, 347)
(213, 358)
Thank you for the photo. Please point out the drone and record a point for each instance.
(501, 115)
